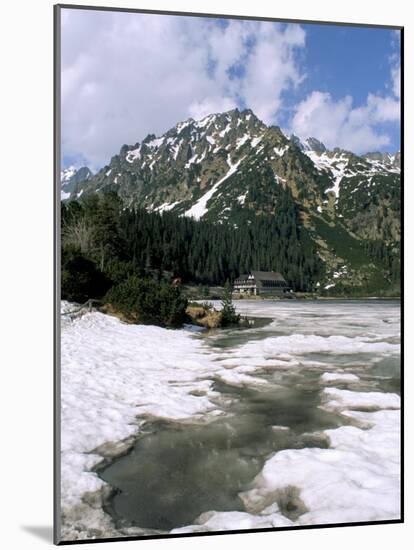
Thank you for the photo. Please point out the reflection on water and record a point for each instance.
(177, 471)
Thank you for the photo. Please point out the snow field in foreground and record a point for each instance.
(356, 479)
(110, 373)
(113, 373)
(339, 377)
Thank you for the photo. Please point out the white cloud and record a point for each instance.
(271, 69)
(396, 80)
(378, 109)
(200, 109)
(125, 75)
(395, 63)
(338, 124)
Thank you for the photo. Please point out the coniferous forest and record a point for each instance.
(110, 243)
(104, 244)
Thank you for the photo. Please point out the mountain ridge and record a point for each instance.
(231, 167)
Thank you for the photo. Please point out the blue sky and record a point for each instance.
(348, 60)
(126, 75)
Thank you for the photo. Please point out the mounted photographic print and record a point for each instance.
(228, 274)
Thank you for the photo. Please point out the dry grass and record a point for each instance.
(204, 317)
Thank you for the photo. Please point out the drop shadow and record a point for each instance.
(43, 532)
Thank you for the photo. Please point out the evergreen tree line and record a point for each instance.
(122, 242)
(388, 254)
(209, 253)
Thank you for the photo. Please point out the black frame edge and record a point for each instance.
(232, 532)
(402, 280)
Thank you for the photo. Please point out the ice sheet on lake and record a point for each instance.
(345, 399)
(113, 373)
(301, 344)
(356, 479)
(328, 377)
(224, 521)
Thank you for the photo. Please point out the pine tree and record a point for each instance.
(228, 311)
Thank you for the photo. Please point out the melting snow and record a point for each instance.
(334, 164)
(222, 521)
(242, 198)
(280, 151)
(224, 132)
(191, 161)
(206, 121)
(198, 210)
(339, 377)
(256, 141)
(357, 477)
(134, 154)
(67, 174)
(180, 127)
(203, 156)
(345, 399)
(155, 143)
(166, 206)
(346, 482)
(176, 149)
(111, 372)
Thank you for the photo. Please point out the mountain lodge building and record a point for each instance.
(261, 282)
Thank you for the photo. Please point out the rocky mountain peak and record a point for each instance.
(224, 162)
(315, 145)
(231, 168)
(70, 177)
(384, 158)
(308, 144)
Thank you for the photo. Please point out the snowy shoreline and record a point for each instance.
(115, 376)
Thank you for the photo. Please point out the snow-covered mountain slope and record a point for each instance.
(174, 171)
(185, 166)
(230, 168)
(342, 165)
(69, 179)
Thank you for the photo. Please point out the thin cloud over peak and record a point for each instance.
(340, 123)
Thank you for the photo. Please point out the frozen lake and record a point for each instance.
(303, 426)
